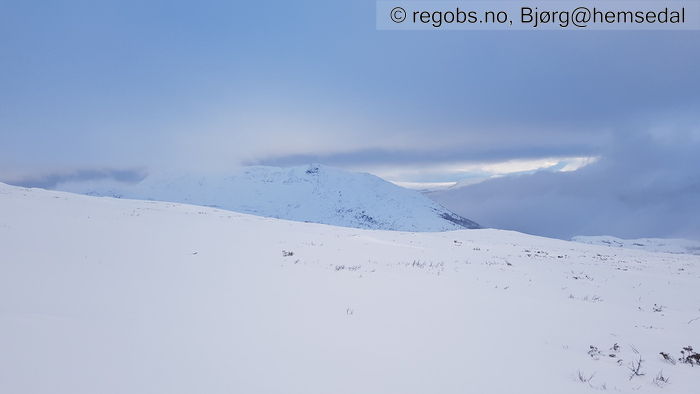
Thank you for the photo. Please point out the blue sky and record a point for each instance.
(107, 87)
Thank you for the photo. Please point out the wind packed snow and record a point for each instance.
(102, 295)
(312, 193)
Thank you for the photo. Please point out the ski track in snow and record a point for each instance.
(123, 296)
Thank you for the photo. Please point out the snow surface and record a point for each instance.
(312, 193)
(102, 295)
(667, 245)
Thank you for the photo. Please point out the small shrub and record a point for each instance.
(634, 349)
(668, 358)
(660, 380)
(580, 275)
(636, 369)
(582, 377)
(689, 356)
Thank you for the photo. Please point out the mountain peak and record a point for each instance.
(309, 193)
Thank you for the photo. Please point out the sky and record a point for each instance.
(122, 89)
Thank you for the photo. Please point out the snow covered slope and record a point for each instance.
(649, 244)
(312, 193)
(101, 295)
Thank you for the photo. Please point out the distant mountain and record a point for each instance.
(312, 193)
(683, 246)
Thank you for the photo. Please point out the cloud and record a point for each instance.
(182, 87)
(647, 184)
(315, 82)
(52, 180)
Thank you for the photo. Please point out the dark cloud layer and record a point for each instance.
(461, 153)
(52, 180)
(644, 186)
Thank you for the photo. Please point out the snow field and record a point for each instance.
(123, 296)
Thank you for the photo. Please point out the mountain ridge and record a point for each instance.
(664, 245)
(310, 193)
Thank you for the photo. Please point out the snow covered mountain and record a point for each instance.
(666, 245)
(101, 295)
(312, 193)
